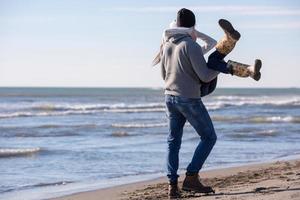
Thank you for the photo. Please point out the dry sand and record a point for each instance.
(273, 181)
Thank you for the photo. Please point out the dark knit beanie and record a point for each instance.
(185, 18)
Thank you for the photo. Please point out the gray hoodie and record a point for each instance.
(183, 67)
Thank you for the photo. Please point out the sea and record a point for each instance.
(58, 141)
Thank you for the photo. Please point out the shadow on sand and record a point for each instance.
(256, 190)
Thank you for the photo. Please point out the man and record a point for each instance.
(183, 69)
(187, 78)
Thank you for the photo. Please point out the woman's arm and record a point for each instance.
(210, 43)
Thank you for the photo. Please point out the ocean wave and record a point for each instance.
(51, 184)
(45, 130)
(214, 103)
(222, 118)
(143, 110)
(83, 109)
(281, 119)
(36, 134)
(57, 106)
(260, 100)
(79, 112)
(254, 133)
(270, 132)
(42, 114)
(120, 134)
(257, 119)
(38, 185)
(88, 111)
(142, 125)
(50, 126)
(12, 152)
(89, 106)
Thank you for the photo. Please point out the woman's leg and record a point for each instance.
(223, 47)
(216, 62)
(227, 43)
(244, 70)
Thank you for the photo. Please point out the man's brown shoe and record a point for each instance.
(192, 183)
(174, 192)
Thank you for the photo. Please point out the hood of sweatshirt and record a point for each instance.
(174, 35)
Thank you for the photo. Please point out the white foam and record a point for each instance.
(8, 152)
(270, 132)
(48, 109)
(134, 110)
(32, 114)
(139, 125)
(91, 106)
(212, 103)
(261, 100)
(294, 119)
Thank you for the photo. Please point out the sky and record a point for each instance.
(95, 43)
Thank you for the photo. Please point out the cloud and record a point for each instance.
(287, 25)
(28, 19)
(233, 9)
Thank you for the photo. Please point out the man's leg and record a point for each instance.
(199, 118)
(176, 122)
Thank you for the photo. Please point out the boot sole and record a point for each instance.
(227, 27)
(174, 197)
(197, 191)
(257, 67)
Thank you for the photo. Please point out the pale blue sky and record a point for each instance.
(112, 43)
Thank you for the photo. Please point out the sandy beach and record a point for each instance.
(277, 181)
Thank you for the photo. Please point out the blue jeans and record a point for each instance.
(178, 110)
(217, 63)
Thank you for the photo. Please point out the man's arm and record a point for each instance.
(199, 64)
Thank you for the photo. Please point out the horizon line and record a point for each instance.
(135, 87)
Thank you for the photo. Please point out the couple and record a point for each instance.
(187, 78)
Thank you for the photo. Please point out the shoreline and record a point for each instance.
(139, 190)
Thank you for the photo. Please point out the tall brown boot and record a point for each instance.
(174, 191)
(244, 70)
(192, 183)
(227, 43)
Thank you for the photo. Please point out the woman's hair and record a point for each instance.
(185, 18)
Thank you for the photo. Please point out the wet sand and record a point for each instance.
(275, 181)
